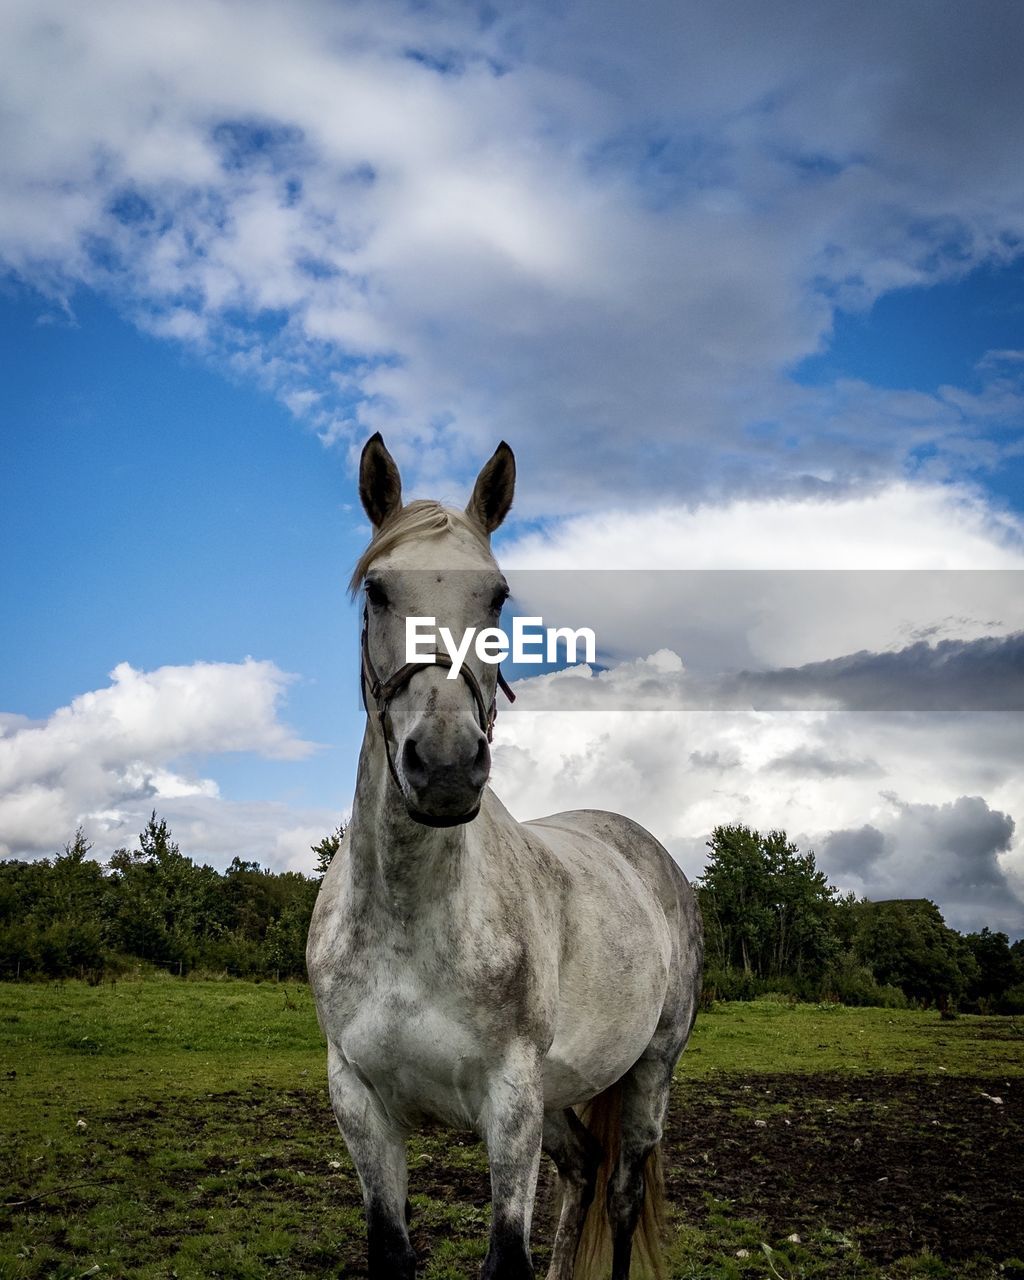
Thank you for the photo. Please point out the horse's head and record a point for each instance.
(429, 561)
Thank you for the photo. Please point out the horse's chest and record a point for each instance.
(413, 1036)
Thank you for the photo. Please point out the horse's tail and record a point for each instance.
(603, 1117)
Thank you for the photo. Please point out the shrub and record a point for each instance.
(1011, 1001)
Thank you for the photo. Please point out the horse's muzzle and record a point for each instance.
(443, 779)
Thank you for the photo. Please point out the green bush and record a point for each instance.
(1011, 1001)
(850, 982)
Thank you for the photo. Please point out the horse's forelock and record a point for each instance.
(422, 518)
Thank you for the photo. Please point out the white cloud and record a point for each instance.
(903, 562)
(276, 834)
(544, 227)
(124, 749)
(893, 526)
(681, 772)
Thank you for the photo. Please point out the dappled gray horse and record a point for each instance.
(509, 977)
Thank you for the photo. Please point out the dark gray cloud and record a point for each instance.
(947, 852)
(916, 84)
(714, 760)
(953, 675)
(854, 850)
(966, 830)
(949, 678)
(814, 761)
(927, 810)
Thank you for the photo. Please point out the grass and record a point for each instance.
(169, 1128)
(769, 1035)
(154, 1037)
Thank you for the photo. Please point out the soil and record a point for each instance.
(897, 1164)
(900, 1163)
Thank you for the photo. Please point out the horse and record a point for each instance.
(534, 981)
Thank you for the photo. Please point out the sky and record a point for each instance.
(741, 284)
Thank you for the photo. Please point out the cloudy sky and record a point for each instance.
(743, 286)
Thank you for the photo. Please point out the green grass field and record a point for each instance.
(166, 1128)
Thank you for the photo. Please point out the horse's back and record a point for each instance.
(624, 838)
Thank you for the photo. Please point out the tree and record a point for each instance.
(76, 885)
(70, 916)
(996, 969)
(906, 943)
(767, 908)
(325, 850)
(166, 905)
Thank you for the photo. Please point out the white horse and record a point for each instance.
(484, 972)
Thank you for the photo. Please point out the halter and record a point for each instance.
(382, 691)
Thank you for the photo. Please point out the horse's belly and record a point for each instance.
(597, 1040)
(614, 968)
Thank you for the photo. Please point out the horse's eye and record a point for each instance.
(375, 594)
(500, 596)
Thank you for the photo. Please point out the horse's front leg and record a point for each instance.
(512, 1127)
(377, 1149)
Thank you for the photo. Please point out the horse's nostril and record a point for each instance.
(413, 766)
(481, 765)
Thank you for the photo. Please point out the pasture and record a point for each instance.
(168, 1128)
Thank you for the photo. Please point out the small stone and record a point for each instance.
(793, 1239)
(742, 1253)
(80, 1124)
(334, 1164)
(760, 1124)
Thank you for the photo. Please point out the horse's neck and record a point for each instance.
(397, 864)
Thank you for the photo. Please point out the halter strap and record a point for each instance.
(382, 691)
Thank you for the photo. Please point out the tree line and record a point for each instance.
(772, 922)
(152, 906)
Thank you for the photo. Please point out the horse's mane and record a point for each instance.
(424, 516)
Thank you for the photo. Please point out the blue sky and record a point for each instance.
(743, 273)
(185, 516)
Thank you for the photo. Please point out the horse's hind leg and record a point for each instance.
(377, 1149)
(645, 1094)
(577, 1156)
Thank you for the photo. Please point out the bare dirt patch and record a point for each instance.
(900, 1163)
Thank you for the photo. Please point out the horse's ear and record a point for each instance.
(380, 485)
(495, 485)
